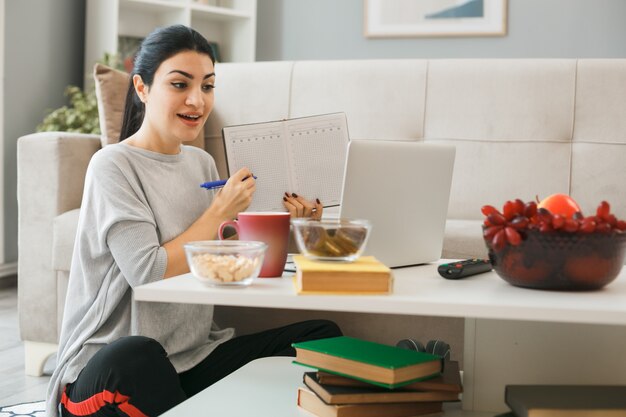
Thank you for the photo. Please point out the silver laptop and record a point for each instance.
(403, 189)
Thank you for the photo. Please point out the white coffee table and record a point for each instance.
(512, 335)
(263, 388)
(417, 290)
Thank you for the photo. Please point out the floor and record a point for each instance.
(15, 386)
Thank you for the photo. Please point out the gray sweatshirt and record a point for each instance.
(134, 201)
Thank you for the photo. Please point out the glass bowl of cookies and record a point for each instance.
(331, 239)
(225, 262)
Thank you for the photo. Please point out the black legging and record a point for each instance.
(133, 376)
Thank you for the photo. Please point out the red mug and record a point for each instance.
(269, 227)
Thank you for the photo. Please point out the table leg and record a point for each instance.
(502, 352)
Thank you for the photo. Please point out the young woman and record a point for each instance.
(141, 203)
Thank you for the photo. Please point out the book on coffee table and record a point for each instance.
(365, 275)
(449, 380)
(305, 155)
(307, 400)
(375, 363)
(336, 394)
(566, 400)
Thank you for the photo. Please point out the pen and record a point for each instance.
(212, 185)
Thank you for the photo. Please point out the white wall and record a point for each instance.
(43, 53)
(333, 29)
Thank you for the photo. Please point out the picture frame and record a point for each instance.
(434, 18)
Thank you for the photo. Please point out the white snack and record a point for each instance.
(224, 268)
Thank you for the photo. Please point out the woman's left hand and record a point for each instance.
(299, 206)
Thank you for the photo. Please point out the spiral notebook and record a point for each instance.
(304, 155)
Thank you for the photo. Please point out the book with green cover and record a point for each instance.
(376, 363)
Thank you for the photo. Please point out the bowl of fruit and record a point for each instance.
(551, 245)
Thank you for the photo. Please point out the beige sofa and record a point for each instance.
(521, 127)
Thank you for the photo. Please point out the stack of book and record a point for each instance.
(360, 378)
(366, 275)
(565, 400)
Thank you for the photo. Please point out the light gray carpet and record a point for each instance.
(36, 409)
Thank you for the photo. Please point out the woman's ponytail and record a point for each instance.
(133, 113)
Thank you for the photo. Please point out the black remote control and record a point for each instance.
(462, 269)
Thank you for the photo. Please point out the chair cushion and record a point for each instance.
(64, 228)
(111, 87)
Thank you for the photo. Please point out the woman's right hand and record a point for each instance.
(236, 195)
(233, 198)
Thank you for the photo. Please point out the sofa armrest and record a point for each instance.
(51, 169)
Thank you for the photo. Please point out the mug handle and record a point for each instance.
(232, 223)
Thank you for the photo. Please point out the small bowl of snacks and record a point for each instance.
(553, 246)
(225, 262)
(331, 239)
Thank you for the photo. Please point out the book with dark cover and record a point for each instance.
(449, 380)
(376, 363)
(365, 275)
(566, 400)
(335, 394)
(313, 404)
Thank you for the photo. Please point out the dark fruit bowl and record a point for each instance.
(561, 260)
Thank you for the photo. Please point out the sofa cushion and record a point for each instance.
(500, 100)
(463, 239)
(64, 228)
(111, 88)
(512, 128)
(382, 99)
(598, 170)
(492, 172)
(246, 93)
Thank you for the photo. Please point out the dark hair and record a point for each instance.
(161, 44)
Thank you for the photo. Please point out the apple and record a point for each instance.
(561, 204)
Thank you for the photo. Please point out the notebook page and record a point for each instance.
(317, 148)
(260, 147)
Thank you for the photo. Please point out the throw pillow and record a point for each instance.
(111, 87)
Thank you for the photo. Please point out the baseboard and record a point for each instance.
(8, 269)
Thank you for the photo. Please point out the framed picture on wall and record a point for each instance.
(412, 18)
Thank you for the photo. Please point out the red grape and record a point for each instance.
(603, 210)
(490, 231)
(487, 210)
(496, 218)
(571, 225)
(558, 221)
(512, 236)
(519, 223)
(603, 227)
(499, 240)
(530, 209)
(588, 225)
